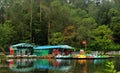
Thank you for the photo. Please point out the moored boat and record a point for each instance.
(82, 55)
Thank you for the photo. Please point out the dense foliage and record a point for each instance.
(44, 22)
(101, 38)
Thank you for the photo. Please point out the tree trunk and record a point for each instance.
(48, 31)
(40, 10)
(31, 17)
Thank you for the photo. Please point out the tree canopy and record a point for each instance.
(44, 22)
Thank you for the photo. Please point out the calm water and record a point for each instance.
(57, 66)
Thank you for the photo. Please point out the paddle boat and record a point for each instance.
(82, 55)
(63, 57)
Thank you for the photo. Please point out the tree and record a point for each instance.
(56, 38)
(36, 21)
(114, 16)
(102, 14)
(18, 13)
(102, 38)
(6, 34)
(85, 27)
(93, 10)
(69, 36)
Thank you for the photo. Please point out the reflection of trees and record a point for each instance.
(110, 68)
(117, 64)
(96, 67)
(41, 71)
(89, 66)
(60, 62)
(5, 70)
(77, 66)
(3, 63)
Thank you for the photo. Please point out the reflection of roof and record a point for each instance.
(54, 47)
(44, 67)
(22, 45)
(62, 68)
(45, 64)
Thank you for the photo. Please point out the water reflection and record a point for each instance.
(22, 65)
(25, 65)
(53, 64)
(50, 65)
(90, 66)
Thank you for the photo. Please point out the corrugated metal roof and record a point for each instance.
(54, 47)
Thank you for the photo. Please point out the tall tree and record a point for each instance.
(6, 34)
(69, 36)
(114, 16)
(102, 38)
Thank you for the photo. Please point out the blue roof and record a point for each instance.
(54, 47)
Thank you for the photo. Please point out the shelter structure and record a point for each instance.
(21, 49)
(45, 50)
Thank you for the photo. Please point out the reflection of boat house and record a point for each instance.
(22, 65)
(21, 49)
(45, 50)
(38, 65)
(53, 64)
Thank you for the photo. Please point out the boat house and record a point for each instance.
(25, 49)
(45, 50)
(21, 49)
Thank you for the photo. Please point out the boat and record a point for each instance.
(63, 57)
(82, 55)
(85, 57)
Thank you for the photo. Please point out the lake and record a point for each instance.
(58, 66)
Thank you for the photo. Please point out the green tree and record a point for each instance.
(117, 4)
(37, 20)
(56, 38)
(17, 12)
(114, 16)
(102, 38)
(103, 9)
(6, 34)
(93, 10)
(85, 27)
